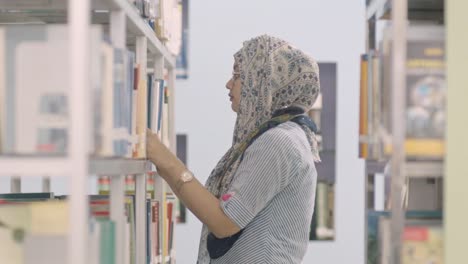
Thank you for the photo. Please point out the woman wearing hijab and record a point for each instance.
(257, 204)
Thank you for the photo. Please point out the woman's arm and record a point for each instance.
(193, 194)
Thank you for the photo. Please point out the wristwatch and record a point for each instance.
(185, 177)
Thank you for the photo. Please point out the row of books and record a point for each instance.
(165, 18)
(422, 238)
(426, 90)
(34, 229)
(35, 95)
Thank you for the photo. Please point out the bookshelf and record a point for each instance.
(126, 29)
(391, 141)
(417, 9)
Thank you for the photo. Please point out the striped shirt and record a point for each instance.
(272, 198)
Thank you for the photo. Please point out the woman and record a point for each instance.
(258, 201)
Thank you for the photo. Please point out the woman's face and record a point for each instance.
(234, 87)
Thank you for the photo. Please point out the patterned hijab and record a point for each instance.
(274, 75)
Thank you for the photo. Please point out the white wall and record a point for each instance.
(330, 30)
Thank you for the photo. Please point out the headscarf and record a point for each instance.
(274, 75)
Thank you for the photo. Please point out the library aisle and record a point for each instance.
(83, 81)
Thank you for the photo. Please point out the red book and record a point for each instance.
(170, 206)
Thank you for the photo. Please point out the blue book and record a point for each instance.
(148, 229)
(150, 101)
(160, 103)
(119, 84)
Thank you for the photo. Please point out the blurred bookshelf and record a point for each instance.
(81, 83)
(403, 140)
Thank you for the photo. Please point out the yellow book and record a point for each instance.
(423, 148)
(363, 108)
(107, 105)
(142, 115)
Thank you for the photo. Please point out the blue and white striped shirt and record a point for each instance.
(272, 198)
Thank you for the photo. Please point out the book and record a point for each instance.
(363, 108)
(27, 196)
(122, 102)
(136, 79)
(161, 101)
(161, 22)
(174, 25)
(106, 242)
(141, 114)
(370, 113)
(130, 212)
(155, 234)
(168, 224)
(165, 133)
(128, 101)
(118, 79)
(148, 231)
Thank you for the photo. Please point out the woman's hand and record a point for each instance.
(158, 153)
(199, 200)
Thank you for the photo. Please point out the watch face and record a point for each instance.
(186, 176)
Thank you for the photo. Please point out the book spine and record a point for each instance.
(363, 108)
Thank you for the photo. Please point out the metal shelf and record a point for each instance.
(61, 166)
(54, 11)
(417, 9)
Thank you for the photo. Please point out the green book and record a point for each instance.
(27, 196)
(107, 242)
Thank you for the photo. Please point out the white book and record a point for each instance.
(94, 249)
(107, 99)
(127, 238)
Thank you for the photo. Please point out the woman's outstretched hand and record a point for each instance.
(158, 153)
